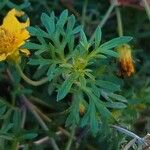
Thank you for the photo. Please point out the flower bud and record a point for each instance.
(81, 109)
(125, 61)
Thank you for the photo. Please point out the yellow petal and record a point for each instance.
(26, 52)
(11, 22)
(12, 36)
(2, 57)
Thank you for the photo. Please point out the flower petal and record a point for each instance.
(2, 57)
(26, 52)
(11, 22)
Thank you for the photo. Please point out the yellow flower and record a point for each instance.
(12, 36)
(126, 65)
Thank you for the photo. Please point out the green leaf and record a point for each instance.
(118, 97)
(108, 85)
(70, 23)
(51, 72)
(41, 62)
(109, 52)
(37, 32)
(2, 109)
(115, 42)
(83, 39)
(71, 44)
(30, 45)
(48, 22)
(115, 105)
(7, 137)
(95, 90)
(93, 119)
(82, 81)
(73, 118)
(65, 87)
(77, 30)
(62, 19)
(8, 127)
(17, 120)
(88, 74)
(86, 117)
(104, 112)
(28, 136)
(98, 34)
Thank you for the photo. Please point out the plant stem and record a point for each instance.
(65, 132)
(107, 14)
(84, 12)
(41, 122)
(15, 145)
(59, 113)
(119, 21)
(24, 113)
(31, 108)
(34, 83)
(41, 141)
(71, 139)
(105, 18)
(41, 114)
(40, 102)
(147, 8)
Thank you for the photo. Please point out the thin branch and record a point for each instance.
(24, 113)
(32, 109)
(147, 8)
(41, 122)
(65, 132)
(107, 14)
(29, 81)
(68, 147)
(84, 12)
(130, 144)
(41, 141)
(119, 21)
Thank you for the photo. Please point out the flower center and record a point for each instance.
(8, 41)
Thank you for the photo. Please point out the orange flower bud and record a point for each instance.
(125, 63)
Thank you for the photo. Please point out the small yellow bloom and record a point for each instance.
(81, 109)
(126, 65)
(12, 36)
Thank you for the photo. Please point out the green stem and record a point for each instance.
(71, 139)
(42, 115)
(59, 113)
(31, 108)
(147, 8)
(15, 145)
(107, 14)
(24, 113)
(34, 83)
(105, 18)
(41, 122)
(119, 21)
(40, 102)
(84, 12)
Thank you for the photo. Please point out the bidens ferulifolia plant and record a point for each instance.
(72, 67)
(77, 66)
